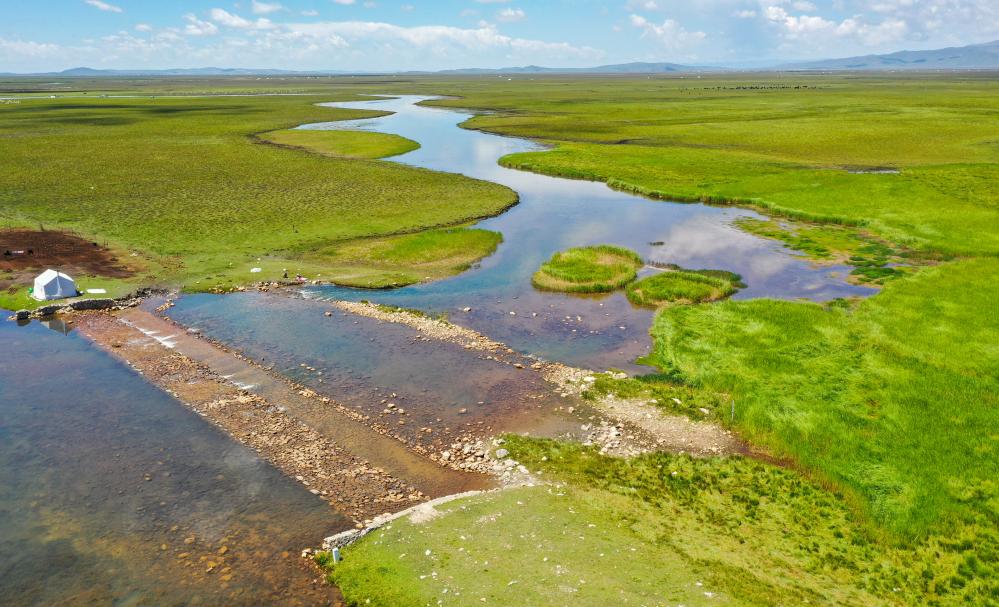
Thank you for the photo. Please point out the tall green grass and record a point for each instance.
(896, 399)
(651, 530)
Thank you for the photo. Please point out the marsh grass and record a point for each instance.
(874, 261)
(892, 399)
(409, 258)
(595, 269)
(682, 287)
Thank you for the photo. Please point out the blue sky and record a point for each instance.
(416, 34)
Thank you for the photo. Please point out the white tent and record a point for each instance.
(51, 284)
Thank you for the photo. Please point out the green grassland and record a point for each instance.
(658, 529)
(410, 258)
(343, 144)
(595, 269)
(183, 181)
(895, 399)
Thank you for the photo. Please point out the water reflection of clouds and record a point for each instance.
(702, 238)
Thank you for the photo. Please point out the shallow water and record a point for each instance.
(554, 214)
(80, 523)
(366, 363)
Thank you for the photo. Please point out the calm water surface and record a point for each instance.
(80, 524)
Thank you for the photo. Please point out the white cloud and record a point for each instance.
(669, 33)
(11, 48)
(361, 45)
(796, 25)
(345, 2)
(310, 13)
(509, 15)
(104, 6)
(492, 1)
(744, 14)
(197, 27)
(143, 27)
(265, 8)
(816, 33)
(224, 17)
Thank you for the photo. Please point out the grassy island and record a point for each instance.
(596, 269)
(679, 286)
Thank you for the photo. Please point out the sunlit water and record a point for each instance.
(80, 524)
(554, 214)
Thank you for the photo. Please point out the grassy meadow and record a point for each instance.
(184, 181)
(657, 529)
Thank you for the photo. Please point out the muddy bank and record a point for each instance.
(24, 252)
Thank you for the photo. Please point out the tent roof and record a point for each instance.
(50, 275)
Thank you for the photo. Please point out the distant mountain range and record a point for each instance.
(973, 57)
(619, 68)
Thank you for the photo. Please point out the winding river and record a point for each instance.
(598, 332)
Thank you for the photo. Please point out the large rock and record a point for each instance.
(50, 309)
